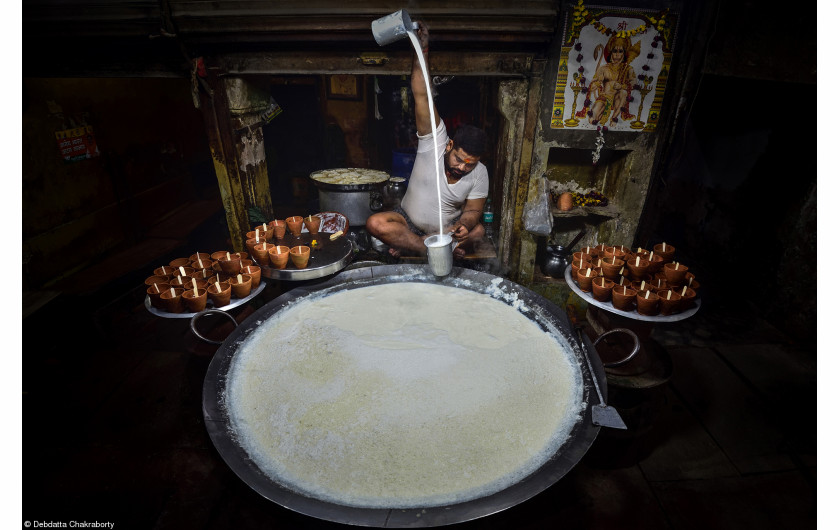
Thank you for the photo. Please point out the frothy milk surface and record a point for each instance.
(401, 395)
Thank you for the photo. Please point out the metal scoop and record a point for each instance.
(603, 415)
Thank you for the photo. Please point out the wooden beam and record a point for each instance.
(523, 267)
(217, 121)
(493, 64)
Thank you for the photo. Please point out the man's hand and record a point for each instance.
(460, 232)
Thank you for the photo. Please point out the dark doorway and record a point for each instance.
(297, 143)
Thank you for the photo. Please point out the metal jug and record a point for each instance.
(392, 28)
(555, 262)
(394, 191)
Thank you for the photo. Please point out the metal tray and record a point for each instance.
(330, 257)
(235, 302)
(545, 314)
(635, 315)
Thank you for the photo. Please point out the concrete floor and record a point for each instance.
(113, 430)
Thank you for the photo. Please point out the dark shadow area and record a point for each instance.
(738, 198)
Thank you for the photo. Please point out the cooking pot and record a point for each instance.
(548, 316)
(356, 201)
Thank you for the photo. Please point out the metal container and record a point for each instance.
(555, 262)
(394, 191)
(392, 28)
(548, 316)
(356, 201)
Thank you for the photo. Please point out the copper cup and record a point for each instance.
(658, 283)
(279, 256)
(602, 289)
(617, 252)
(312, 223)
(279, 228)
(584, 280)
(182, 270)
(232, 265)
(647, 302)
(300, 256)
(164, 270)
(255, 272)
(180, 262)
(202, 255)
(665, 250)
(260, 254)
(202, 263)
(576, 265)
(598, 250)
(156, 279)
(675, 273)
(221, 297)
(241, 289)
(203, 274)
(251, 242)
(195, 283)
(154, 291)
(171, 300)
(266, 231)
(638, 272)
(218, 278)
(195, 303)
(294, 224)
(623, 297)
(612, 268)
(623, 281)
(687, 297)
(656, 262)
(179, 281)
(670, 301)
(581, 255)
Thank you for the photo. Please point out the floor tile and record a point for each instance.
(685, 450)
(786, 379)
(734, 415)
(772, 501)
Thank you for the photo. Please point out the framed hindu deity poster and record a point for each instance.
(613, 67)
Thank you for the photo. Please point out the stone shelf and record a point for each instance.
(609, 211)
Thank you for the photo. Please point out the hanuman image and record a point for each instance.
(612, 84)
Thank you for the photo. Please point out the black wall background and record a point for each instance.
(737, 191)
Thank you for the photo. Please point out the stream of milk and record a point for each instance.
(419, 51)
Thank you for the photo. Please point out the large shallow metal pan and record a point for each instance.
(548, 316)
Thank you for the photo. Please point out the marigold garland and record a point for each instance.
(580, 15)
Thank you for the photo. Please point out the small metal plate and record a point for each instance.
(635, 315)
(234, 302)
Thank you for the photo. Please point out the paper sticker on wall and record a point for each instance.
(77, 144)
(613, 67)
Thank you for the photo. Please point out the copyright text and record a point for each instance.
(68, 524)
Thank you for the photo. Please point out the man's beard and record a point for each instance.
(455, 173)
